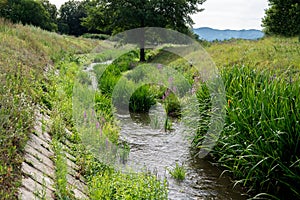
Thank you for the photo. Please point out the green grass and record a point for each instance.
(116, 185)
(178, 172)
(273, 53)
(26, 54)
(259, 145)
(260, 141)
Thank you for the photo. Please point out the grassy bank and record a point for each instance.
(26, 55)
(259, 145)
(38, 70)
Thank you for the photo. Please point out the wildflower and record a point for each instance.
(171, 80)
(97, 125)
(193, 90)
(106, 143)
(229, 103)
(272, 77)
(159, 66)
(174, 89)
(84, 115)
(167, 93)
(100, 132)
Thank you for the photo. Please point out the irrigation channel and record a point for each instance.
(154, 149)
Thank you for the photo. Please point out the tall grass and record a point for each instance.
(259, 145)
(260, 142)
(27, 54)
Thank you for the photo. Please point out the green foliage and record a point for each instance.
(262, 130)
(121, 15)
(272, 53)
(260, 142)
(37, 13)
(71, 13)
(16, 111)
(109, 78)
(283, 18)
(61, 172)
(142, 99)
(96, 36)
(25, 75)
(116, 185)
(168, 124)
(172, 105)
(178, 172)
(146, 14)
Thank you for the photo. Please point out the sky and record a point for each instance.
(225, 14)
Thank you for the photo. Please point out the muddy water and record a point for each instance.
(154, 149)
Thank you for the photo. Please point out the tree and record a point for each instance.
(119, 15)
(27, 12)
(52, 10)
(283, 18)
(71, 13)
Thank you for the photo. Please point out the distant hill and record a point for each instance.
(210, 34)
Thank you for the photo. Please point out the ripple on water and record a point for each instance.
(157, 150)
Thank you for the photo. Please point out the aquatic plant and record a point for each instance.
(178, 172)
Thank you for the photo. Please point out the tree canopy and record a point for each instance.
(283, 18)
(71, 13)
(30, 12)
(119, 15)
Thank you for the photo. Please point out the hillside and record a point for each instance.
(210, 34)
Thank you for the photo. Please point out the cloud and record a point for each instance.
(231, 14)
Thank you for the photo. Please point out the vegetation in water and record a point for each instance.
(178, 172)
(259, 145)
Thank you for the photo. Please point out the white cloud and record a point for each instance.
(231, 14)
(58, 3)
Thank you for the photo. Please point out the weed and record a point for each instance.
(178, 172)
(26, 56)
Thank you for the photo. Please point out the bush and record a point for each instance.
(96, 36)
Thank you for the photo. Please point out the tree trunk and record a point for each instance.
(142, 41)
(142, 54)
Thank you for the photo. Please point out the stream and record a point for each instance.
(157, 151)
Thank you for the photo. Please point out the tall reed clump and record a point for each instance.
(260, 144)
